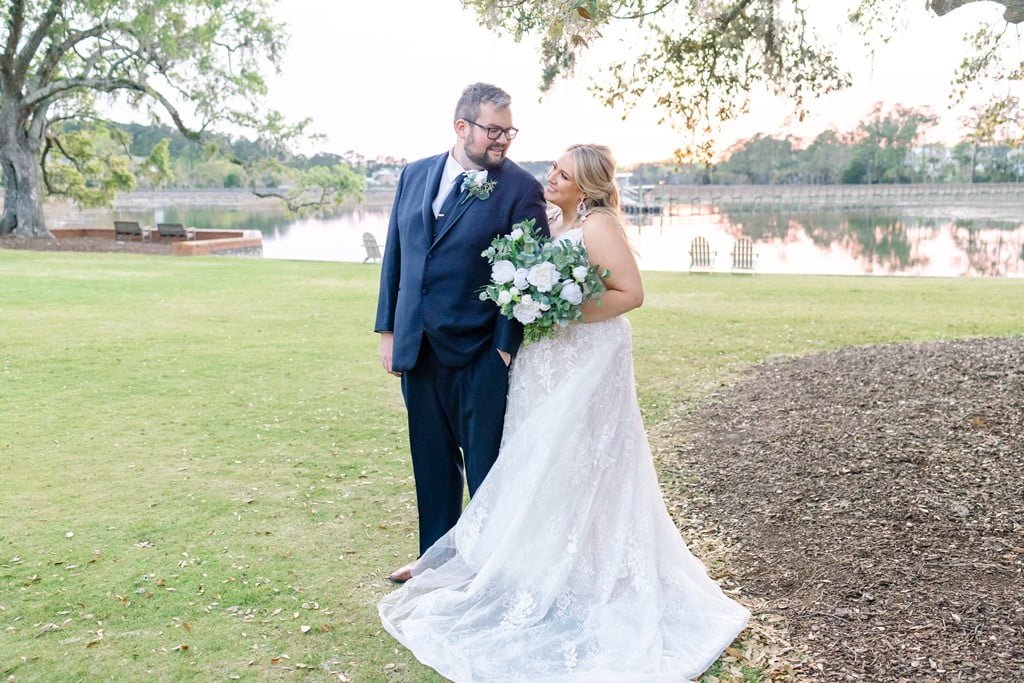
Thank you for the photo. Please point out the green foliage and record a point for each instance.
(543, 307)
(88, 165)
(885, 147)
(157, 166)
(698, 61)
(60, 59)
(885, 139)
(318, 190)
(763, 160)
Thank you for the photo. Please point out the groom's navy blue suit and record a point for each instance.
(445, 338)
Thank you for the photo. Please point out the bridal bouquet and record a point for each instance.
(539, 281)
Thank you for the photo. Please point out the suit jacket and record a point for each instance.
(433, 288)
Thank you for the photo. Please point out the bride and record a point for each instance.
(566, 566)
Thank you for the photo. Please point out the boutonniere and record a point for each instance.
(473, 186)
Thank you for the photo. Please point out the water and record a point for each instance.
(939, 240)
(822, 243)
(841, 243)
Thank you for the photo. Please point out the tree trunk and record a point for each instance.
(23, 196)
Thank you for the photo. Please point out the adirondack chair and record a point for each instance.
(702, 259)
(372, 250)
(175, 230)
(129, 229)
(743, 256)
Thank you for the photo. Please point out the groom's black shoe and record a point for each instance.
(401, 575)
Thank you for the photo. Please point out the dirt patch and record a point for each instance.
(87, 244)
(875, 497)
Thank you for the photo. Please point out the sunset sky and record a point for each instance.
(382, 78)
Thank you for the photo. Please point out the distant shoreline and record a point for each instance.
(228, 197)
(994, 201)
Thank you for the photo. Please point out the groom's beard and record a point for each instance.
(486, 160)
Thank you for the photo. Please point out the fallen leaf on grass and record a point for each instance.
(47, 628)
(180, 648)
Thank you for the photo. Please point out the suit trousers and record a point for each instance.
(456, 417)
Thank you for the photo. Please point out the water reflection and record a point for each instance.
(883, 242)
(326, 239)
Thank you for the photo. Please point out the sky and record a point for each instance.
(382, 78)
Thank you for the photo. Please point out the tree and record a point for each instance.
(825, 157)
(995, 128)
(763, 160)
(187, 60)
(702, 58)
(885, 140)
(315, 190)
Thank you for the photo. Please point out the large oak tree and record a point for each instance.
(196, 63)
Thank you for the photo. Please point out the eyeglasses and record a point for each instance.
(495, 132)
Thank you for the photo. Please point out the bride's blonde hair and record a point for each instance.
(595, 176)
(594, 168)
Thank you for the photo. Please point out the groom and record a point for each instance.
(452, 350)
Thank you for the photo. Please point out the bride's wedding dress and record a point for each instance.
(566, 566)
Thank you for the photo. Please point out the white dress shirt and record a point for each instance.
(452, 170)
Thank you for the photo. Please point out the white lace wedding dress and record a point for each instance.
(566, 566)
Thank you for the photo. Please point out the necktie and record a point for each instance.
(453, 195)
(449, 203)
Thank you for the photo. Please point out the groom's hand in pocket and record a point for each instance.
(387, 345)
(506, 357)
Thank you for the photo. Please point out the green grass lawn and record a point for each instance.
(204, 467)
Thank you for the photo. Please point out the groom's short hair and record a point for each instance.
(477, 94)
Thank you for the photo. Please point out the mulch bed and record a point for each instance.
(876, 499)
(88, 244)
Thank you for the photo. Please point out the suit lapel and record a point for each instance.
(453, 217)
(430, 191)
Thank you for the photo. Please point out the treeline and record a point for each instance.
(884, 148)
(238, 160)
(228, 162)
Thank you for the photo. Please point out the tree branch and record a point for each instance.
(35, 40)
(293, 207)
(54, 141)
(50, 189)
(108, 84)
(55, 53)
(14, 27)
(1014, 13)
(644, 13)
(726, 19)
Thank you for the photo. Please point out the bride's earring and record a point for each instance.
(581, 209)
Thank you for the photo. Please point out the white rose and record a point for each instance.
(521, 281)
(504, 296)
(543, 276)
(516, 234)
(579, 273)
(572, 293)
(503, 271)
(514, 291)
(527, 299)
(526, 312)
